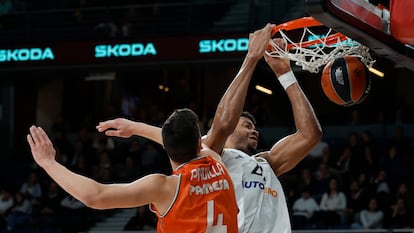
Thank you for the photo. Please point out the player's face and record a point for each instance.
(245, 136)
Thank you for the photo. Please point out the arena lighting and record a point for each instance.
(264, 90)
(376, 72)
(163, 88)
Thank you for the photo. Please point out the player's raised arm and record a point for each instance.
(290, 150)
(121, 127)
(231, 104)
(149, 189)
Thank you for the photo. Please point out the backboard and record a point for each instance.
(368, 24)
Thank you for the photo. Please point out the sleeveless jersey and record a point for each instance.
(260, 197)
(204, 202)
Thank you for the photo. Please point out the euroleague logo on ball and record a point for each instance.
(339, 77)
(345, 81)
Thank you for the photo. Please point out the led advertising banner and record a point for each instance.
(77, 53)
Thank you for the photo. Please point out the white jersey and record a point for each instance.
(260, 197)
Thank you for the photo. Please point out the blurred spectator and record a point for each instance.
(381, 182)
(381, 189)
(103, 143)
(332, 207)
(83, 147)
(303, 209)
(322, 177)
(394, 167)
(401, 217)
(103, 170)
(6, 202)
(49, 208)
(356, 198)
(82, 167)
(364, 183)
(32, 188)
(343, 164)
(129, 171)
(306, 182)
(370, 161)
(128, 148)
(403, 192)
(104, 160)
(149, 157)
(85, 138)
(130, 105)
(355, 166)
(371, 218)
(77, 153)
(371, 153)
(20, 212)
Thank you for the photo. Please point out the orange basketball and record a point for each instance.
(345, 81)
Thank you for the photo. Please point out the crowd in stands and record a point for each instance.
(360, 184)
(38, 203)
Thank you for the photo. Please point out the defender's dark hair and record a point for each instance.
(249, 116)
(180, 135)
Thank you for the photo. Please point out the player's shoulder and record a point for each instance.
(261, 157)
(234, 154)
(160, 178)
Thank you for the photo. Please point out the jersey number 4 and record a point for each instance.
(219, 227)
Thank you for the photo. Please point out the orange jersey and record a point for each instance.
(205, 200)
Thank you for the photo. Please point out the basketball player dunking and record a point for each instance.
(259, 194)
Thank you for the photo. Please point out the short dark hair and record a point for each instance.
(181, 134)
(249, 116)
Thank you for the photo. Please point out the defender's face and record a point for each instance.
(245, 136)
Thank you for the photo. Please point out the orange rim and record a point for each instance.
(296, 24)
(308, 22)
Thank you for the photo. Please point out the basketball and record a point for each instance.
(345, 81)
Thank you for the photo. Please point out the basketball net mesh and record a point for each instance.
(322, 50)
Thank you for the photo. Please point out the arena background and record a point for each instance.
(93, 58)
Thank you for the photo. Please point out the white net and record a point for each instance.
(322, 50)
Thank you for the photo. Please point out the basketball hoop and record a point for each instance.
(312, 49)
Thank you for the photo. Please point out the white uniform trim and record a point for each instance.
(177, 191)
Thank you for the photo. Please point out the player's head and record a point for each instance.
(245, 136)
(181, 135)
